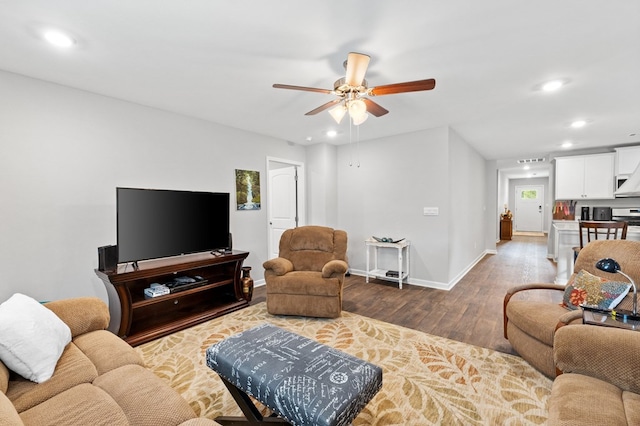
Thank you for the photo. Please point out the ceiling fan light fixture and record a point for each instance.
(338, 112)
(357, 108)
(358, 120)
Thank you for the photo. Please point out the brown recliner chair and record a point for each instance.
(307, 277)
(530, 326)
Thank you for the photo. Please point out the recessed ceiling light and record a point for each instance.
(567, 144)
(553, 85)
(308, 138)
(332, 133)
(526, 167)
(59, 39)
(578, 123)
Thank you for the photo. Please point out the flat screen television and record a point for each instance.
(154, 223)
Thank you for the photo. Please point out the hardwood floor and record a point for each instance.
(471, 312)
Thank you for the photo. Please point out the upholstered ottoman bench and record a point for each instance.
(301, 380)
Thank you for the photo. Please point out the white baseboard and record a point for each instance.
(418, 282)
(436, 284)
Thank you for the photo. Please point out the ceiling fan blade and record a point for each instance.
(306, 89)
(410, 86)
(324, 106)
(357, 64)
(374, 108)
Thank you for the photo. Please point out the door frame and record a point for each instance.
(301, 193)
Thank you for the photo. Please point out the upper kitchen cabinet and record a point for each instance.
(585, 177)
(627, 159)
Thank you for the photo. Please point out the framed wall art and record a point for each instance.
(247, 190)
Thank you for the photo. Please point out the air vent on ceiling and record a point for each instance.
(531, 160)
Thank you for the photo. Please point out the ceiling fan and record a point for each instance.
(353, 91)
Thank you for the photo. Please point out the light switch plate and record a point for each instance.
(430, 211)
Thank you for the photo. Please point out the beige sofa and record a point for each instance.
(600, 384)
(98, 380)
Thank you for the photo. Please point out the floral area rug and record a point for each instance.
(427, 380)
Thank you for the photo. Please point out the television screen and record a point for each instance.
(155, 223)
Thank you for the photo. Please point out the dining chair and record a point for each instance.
(599, 230)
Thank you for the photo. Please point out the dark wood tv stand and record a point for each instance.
(138, 319)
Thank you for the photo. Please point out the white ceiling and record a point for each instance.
(217, 60)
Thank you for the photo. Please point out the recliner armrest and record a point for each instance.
(606, 353)
(569, 317)
(279, 265)
(81, 314)
(334, 267)
(535, 286)
(524, 287)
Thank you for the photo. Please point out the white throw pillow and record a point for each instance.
(32, 338)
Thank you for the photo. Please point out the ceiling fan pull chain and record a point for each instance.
(358, 146)
(350, 145)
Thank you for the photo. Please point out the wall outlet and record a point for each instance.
(430, 211)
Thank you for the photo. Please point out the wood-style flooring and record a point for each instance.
(471, 312)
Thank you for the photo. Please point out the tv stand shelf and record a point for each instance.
(138, 319)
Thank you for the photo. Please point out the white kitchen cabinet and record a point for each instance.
(627, 159)
(585, 177)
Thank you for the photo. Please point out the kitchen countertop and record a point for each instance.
(572, 225)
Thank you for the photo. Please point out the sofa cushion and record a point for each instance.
(143, 397)
(591, 290)
(8, 413)
(573, 401)
(33, 338)
(84, 404)
(318, 238)
(106, 350)
(74, 368)
(81, 314)
(631, 403)
(4, 378)
(309, 248)
(304, 282)
(199, 421)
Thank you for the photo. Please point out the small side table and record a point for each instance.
(605, 320)
(403, 248)
(506, 228)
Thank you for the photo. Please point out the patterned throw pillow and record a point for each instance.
(593, 291)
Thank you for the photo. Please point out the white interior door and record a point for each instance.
(285, 195)
(529, 207)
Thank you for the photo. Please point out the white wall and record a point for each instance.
(63, 153)
(399, 176)
(321, 184)
(493, 187)
(468, 205)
